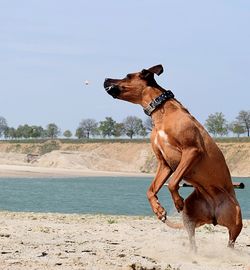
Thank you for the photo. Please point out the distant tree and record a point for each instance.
(148, 124)
(67, 134)
(44, 133)
(53, 131)
(6, 133)
(24, 131)
(30, 131)
(244, 119)
(10, 133)
(118, 129)
(143, 132)
(89, 127)
(237, 128)
(133, 126)
(3, 125)
(80, 134)
(107, 127)
(27, 131)
(19, 132)
(216, 124)
(36, 131)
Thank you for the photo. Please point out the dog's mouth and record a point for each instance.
(111, 88)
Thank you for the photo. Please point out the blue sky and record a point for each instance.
(49, 48)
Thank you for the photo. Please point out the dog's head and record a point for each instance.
(131, 87)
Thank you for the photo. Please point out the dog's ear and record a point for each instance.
(156, 69)
(149, 73)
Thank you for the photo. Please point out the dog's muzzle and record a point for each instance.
(111, 88)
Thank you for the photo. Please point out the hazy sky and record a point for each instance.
(49, 48)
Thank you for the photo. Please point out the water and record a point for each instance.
(106, 195)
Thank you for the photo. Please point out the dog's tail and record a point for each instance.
(172, 224)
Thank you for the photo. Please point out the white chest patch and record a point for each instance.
(161, 140)
(163, 135)
(156, 140)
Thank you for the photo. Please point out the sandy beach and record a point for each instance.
(19, 171)
(97, 242)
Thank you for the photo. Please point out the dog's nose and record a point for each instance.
(106, 83)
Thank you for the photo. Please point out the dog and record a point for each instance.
(184, 151)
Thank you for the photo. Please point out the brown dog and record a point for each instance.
(186, 151)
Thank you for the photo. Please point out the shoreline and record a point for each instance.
(25, 171)
(107, 242)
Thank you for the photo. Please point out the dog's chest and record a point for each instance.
(169, 152)
(161, 139)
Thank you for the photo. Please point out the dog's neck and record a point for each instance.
(166, 111)
(155, 98)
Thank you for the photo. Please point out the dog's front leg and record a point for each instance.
(162, 174)
(188, 159)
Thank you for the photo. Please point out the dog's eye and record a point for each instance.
(129, 76)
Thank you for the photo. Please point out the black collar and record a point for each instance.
(158, 101)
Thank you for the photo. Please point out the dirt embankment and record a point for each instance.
(120, 157)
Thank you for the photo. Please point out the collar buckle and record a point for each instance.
(157, 102)
(149, 109)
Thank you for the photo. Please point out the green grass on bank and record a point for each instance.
(77, 141)
(232, 139)
(91, 140)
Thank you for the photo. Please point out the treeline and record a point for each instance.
(131, 126)
(217, 124)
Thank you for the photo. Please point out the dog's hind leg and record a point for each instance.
(196, 212)
(234, 231)
(190, 225)
(228, 214)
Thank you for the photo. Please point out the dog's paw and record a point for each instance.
(160, 213)
(179, 204)
(163, 216)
